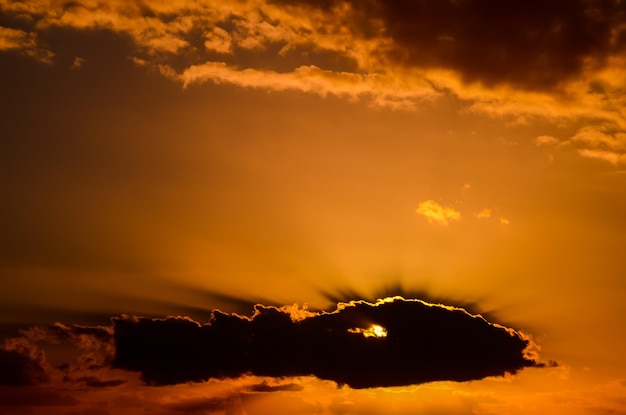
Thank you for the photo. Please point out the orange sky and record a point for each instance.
(169, 158)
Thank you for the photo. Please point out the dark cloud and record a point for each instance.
(397, 288)
(265, 387)
(423, 343)
(95, 382)
(18, 368)
(79, 349)
(531, 44)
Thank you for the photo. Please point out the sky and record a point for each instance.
(312, 207)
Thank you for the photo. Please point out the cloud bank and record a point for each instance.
(521, 61)
(422, 343)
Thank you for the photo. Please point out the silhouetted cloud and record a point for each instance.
(18, 368)
(87, 349)
(398, 289)
(266, 387)
(423, 343)
(528, 43)
(94, 382)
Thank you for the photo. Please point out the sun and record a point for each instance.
(375, 330)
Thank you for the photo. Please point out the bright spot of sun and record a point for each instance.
(374, 330)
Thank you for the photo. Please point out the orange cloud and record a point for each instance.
(15, 39)
(609, 156)
(434, 212)
(373, 53)
(546, 140)
(24, 42)
(382, 89)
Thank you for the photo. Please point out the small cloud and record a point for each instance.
(138, 61)
(518, 121)
(504, 221)
(546, 140)
(284, 387)
(605, 155)
(218, 40)
(484, 214)
(77, 63)
(375, 330)
(434, 212)
(597, 138)
(95, 382)
(14, 39)
(26, 43)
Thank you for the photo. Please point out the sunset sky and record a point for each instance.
(169, 158)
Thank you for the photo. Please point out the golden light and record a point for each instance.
(374, 330)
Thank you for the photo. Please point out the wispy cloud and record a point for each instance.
(612, 157)
(546, 140)
(23, 42)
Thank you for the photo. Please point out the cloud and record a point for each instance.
(424, 343)
(434, 212)
(21, 368)
(527, 44)
(77, 63)
(605, 155)
(266, 387)
(25, 42)
(95, 382)
(481, 41)
(23, 360)
(14, 39)
(524, 61)
(382, 90)
(546, 140)
(531, 44)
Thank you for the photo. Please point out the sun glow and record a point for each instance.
(374, 330)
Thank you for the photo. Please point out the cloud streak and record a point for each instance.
(423, 343)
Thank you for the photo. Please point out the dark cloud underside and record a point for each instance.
(531, 44)
(18, 368)
(424, 343)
